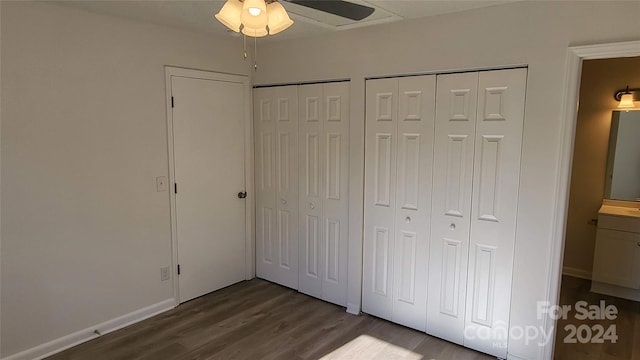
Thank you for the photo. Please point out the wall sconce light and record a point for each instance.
(626, 97)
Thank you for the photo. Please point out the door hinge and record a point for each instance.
(178, 269)
(175, 188)
(172, 102)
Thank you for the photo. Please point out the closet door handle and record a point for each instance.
(311, 206)
(452, 227)
(408, 219)
(283, 201)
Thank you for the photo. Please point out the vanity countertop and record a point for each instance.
(618, 208)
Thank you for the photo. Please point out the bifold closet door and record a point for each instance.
(398, 166)
(323, 194)
(276, 163)
(479, 122)
(501, 98)
(455, 129)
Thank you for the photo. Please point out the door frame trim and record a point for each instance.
(171, 71)
(575, 56)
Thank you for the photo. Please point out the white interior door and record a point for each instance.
(496, 180)
(451, 204)
(310, 138)
(379, 196)
(208, 142)
(276, 159)
(323, 135)
(416, 112)
(398, 165)
(335, 202)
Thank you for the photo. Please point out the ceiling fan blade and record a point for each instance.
(345, 9)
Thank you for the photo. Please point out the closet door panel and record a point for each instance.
(415, 126)
(379, 197)
(335, 200)
(276, 118)
(501, 96)
(286, 152)
(311, 160)
(451, 204)
(266, 210)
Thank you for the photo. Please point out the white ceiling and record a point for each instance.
(198, 15)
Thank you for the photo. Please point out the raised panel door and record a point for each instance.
(415, 127)
(276, 151)
(380, 197)
(496, 179)
(335, 200)
(286, 123)
(311, 160)
(266, 209)
(455, 125)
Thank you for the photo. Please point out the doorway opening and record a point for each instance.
(601, 71)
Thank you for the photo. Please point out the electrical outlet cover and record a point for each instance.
(164, 273)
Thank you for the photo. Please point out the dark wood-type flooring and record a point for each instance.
(259, 320)
(627, 325)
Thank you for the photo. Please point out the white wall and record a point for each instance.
(84, 232)
(533, 33)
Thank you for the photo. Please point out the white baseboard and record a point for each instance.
(575, 272)
(71, 340)
(353, 309)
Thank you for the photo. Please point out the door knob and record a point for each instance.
(311, 206)
(242, 194)
(407, 220)
(283, 201)
(452, 227)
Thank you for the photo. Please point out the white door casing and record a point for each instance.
(575, 56)
(276, 127)
(207, 134)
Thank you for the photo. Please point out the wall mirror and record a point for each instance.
(622, 181)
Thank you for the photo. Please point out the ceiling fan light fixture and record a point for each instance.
(254, 8)
(255, 32)
(229, 15)
(278, 19)
(253, 21)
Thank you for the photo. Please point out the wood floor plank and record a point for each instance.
(627, 325)
(259, 320)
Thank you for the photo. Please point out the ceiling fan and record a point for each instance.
(344, 9)
(257, 18)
